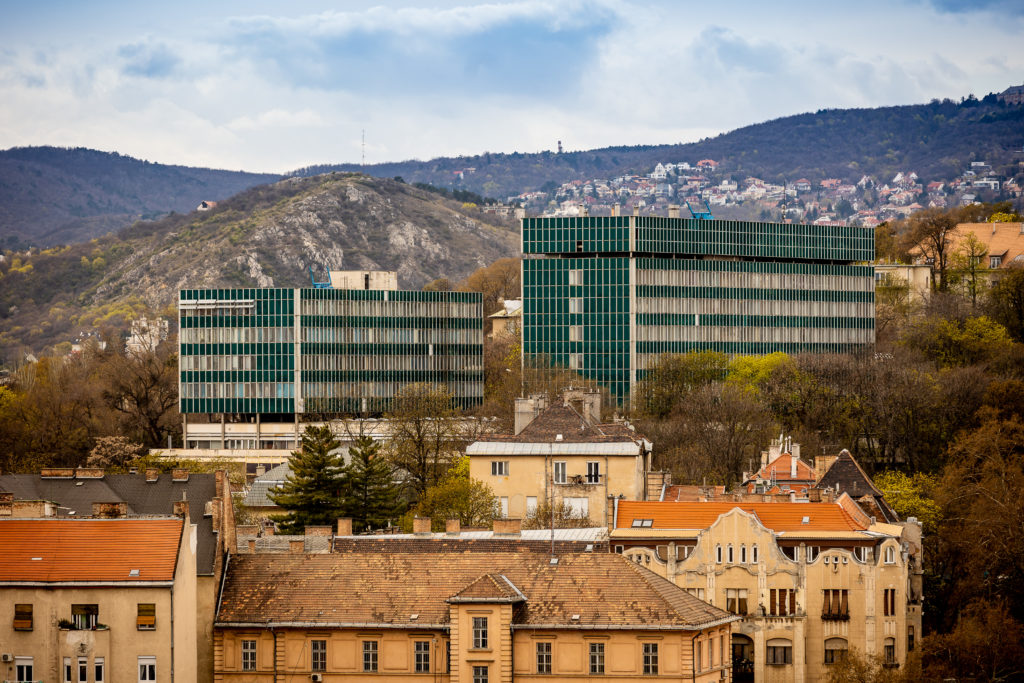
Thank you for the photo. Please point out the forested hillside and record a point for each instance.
(53, 195)
(936, 140)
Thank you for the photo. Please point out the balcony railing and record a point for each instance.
(835, 616)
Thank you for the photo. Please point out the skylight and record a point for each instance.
(645, 523)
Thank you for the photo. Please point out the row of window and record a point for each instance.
(318, 655)
(84, 617)
(560, 472)
(76, 670)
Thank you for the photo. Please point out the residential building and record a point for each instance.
(344, 347)
(810, 580)
(916, 278)
(843, 474)
(782, 471)
(472, 617)
(507, 321)
(606, 296)
(97, 600)
(1013, 95)
(204, 499)
(562, 454)
(146, 335)
(1003, 244)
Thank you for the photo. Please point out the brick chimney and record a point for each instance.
(57, 473)
(268, 528)
(297, 546)
(31, 508)
(152, 474)
(89, 473)
(181, 508)
(110, 510)
(527, 410)
(421, 526)
(252, 546)
(452, 527)
(179, 474)
(344, 526)
(511, 526)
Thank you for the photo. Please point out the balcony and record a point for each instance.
(835, 616)
(581, 480)
(23, 624)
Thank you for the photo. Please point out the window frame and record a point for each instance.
(23, 616)
(421, 656)
(480, 674)
(371, 656)
(248, 651)
(145, 616)
(593, 475)
(24, 669)
(596, 658)
(83, 670)
(480, 634)
(830, 652)
(499, 468)
(544, 651)
(318, 654)
(83, 618)
(650, 659)
(99, 669)
(560, 471)
(147, 668)
(773, 652)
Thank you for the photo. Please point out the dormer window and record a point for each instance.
(890, 555)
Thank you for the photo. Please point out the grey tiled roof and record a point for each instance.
(256, 496)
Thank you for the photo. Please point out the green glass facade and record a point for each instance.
(324, 351)
(607, 295)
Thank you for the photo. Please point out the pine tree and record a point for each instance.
(312, 495)
(372, 499)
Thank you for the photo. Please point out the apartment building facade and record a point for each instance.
(606, 296)
(810, 581)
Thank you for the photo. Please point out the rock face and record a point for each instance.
(271, 237)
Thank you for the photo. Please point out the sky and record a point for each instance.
(274, 86)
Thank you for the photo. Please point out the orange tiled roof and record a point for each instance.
(1000, 239)
(89, 549)
(783, 467)
(786, 517)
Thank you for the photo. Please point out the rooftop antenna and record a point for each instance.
(700, 215)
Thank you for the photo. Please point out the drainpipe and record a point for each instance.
(172, 627)
(274, 634)
(693, 658)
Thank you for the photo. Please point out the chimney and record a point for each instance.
(248, 529)
(615, 210)
(57, 473)
(792, 466)
(814, 495)
(89, 473)
(511, 526)
(181, 508)
(318, 531)
(31, 508)
(344, 526)
(111, 510)
(152, 474)
(179, 474)
(268, 528)
(592, 407)
(527, 410)
(673, 211)
(421, 526)
(452, 527)
(297, 546)
(252, 546)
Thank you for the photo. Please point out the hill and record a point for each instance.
(267, 236)
(51, 195)
(936, 140)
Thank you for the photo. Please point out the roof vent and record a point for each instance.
(575, 617)
(806, 520)
(554, 561)
(414, 617)
(589, 548)
(558, 437)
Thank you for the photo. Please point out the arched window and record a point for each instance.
(718, 554)
(743, 554)
(835, 650)
(890, 555)
(731, 557)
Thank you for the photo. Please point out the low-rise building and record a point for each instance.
(469, 617)
(564, 455)
(810, 580)
(97, 600)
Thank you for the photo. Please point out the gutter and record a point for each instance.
(326, 624)
(624, 627)
(108, 584)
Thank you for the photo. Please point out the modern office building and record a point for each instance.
(607, 295)
(290, 355)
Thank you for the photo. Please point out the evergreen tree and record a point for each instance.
(312, 494)
(372, 496)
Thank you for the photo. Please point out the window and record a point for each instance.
(503, 506)
(575, 305)
(650, 659)
(696, 592)
(575, 277)
(479, 633)
(753, 554)
(910, 639)
(531, 506)
(890, 555)
(23, 617)
(318, 655)
(147, 669)
(699, 655)
(730, 557)
(890, 651)
(718, 554)
(99, 669)
(543, 658)
(560, 476)
(579, 506)
(812, 552)
(643, 523)
(597, 658)
(248, 655)
(369, 655)
(743, 554)
(575, 361)
(780, 652)
(85, 616)
(575, 333)
(67, 670)
(836, 605)
(83, 670)
(889, 602)
(781, 602)
(736, 600)
(479, 674)
(23, 669)
(835, 650)
(995, 261)
(711, 652)
(146, 619)
(421, 655)
(499, 468)
(593, 472)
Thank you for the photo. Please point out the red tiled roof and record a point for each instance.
(775, 516)
(783, 467)
(89, 549)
